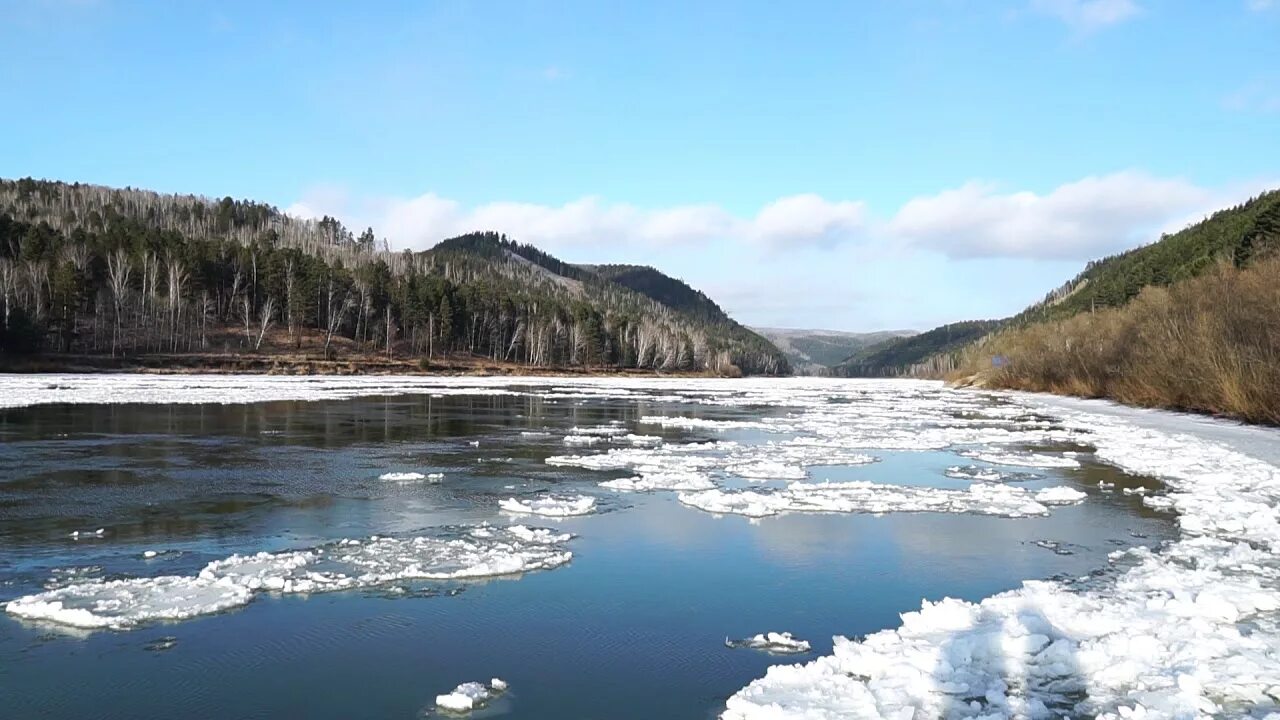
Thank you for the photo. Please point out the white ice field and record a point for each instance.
(1191, 629)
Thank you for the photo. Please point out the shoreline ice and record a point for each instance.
(1188, 631)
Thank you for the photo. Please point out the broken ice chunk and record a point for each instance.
(772, 642)
(470, 696)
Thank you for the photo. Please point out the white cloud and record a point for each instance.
(799, 220)
(1088, 15)
(808, 220)
(1076, 221)
(1085, 219)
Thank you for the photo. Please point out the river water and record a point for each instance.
(634, 625)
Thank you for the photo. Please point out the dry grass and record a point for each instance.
(1209, 344)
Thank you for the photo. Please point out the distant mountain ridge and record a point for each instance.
(907, 355)
(815, 352)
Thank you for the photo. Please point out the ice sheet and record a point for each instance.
(453, 553)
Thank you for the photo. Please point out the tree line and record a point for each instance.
(91, 270)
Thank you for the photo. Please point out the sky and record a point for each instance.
(847, 165)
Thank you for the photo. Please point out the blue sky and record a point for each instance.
(854, 165)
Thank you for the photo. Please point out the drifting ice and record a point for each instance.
(551, 505)
(343, 565)
(1060, 495)
(866, 497)
(470, 696)
(772, 642)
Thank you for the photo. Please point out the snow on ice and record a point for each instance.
(550, 505)
(772, 642)
(346, 564)
(470, 696)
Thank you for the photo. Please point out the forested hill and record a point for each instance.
(913, 354)
(663, 288)
(1190, 322)
(1233, 237)
(89, 270)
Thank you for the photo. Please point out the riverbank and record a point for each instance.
(303, 364)
(990, 380)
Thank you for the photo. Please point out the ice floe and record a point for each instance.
(411, 477)
(583, 439)
(660, 480)
(550, 505)
(1023, 459)
(347, 564)
(974, 472)
(1060, 495)
(868, 497)
(772, 642)
(470, 696)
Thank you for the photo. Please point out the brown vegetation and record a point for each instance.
(1208, 344)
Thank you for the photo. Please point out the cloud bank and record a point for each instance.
(418, 223)
(1076, 221)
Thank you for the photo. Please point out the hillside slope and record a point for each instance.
(673, 293)
(1237, 237)
(90, 270)
(1191, 322)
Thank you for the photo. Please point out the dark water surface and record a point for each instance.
(633, 627)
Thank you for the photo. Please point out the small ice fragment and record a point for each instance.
(148, 554)
(581, 439)
(550, 505)
(772, 642)
(402, 476)
(639, 440)
(1135, 491)
(470, 696)
(1059, 495)
(474, 443)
